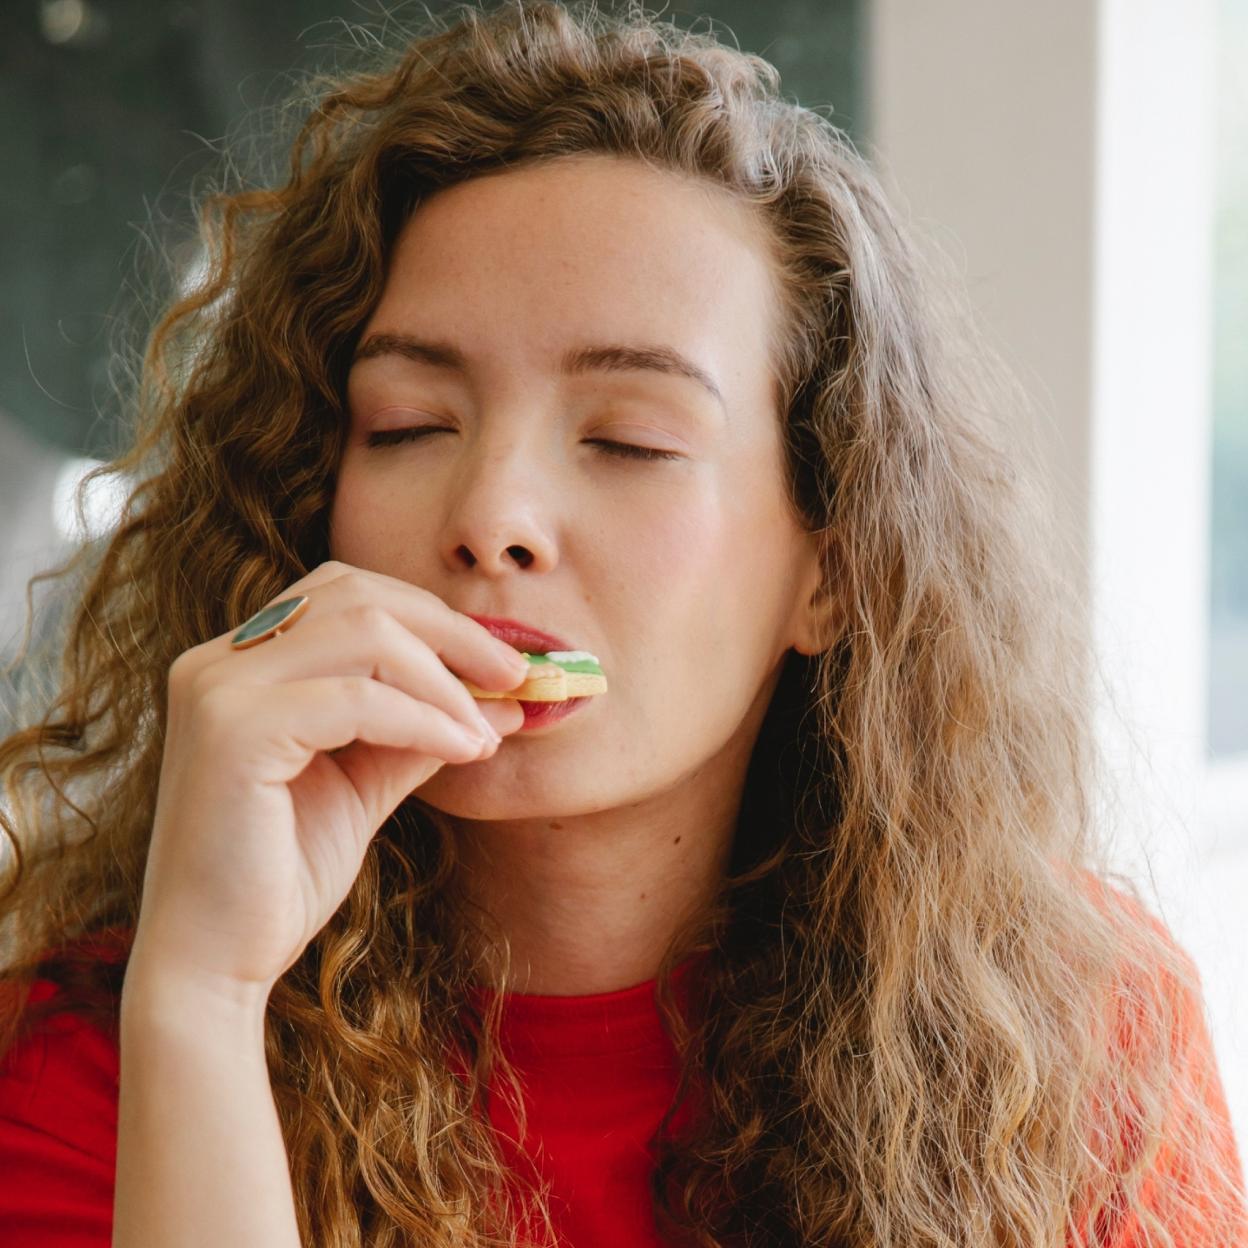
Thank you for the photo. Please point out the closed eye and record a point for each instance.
(391, 437)
(629, 451)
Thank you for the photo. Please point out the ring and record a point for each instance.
(269, 622)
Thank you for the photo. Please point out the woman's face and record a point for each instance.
(688, 577)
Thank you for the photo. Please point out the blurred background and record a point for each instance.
(1082, 164)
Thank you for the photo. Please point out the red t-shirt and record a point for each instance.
(599, 1074)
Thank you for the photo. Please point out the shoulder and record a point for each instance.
(60, 1078)
(1130, 914)
(58, 1108)
(58, 1134)
(1195, 1184)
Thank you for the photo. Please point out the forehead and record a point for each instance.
(595, 248)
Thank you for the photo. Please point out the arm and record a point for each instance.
(200, 1155)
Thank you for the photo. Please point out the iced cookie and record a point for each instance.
(553, 677)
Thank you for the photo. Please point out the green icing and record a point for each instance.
(576, 665)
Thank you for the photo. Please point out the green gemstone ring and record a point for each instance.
(269, 622)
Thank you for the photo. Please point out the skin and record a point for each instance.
(591, 839)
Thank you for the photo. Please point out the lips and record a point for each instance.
(521, 636)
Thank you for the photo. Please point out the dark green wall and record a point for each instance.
(106, 126)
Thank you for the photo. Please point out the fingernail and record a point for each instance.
(489, 729)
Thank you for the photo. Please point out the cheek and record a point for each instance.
(710, 542)
(361, 518)
(670, 581)
(708, 582)
(668, 550)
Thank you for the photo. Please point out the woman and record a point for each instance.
(799, 933)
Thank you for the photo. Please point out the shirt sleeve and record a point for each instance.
(58, 1135)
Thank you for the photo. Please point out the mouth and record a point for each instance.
(539, 714)
(521, 636)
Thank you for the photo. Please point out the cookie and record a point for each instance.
(553, 677)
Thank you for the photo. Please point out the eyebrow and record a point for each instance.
(605, 358)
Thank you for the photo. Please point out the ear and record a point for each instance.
(820, 626)
(819, 616)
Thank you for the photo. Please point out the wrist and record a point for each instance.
(160, 990)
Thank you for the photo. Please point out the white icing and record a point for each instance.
(571, 656)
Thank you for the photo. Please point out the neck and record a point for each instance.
(591, 903)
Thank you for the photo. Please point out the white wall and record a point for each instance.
(1063, 153)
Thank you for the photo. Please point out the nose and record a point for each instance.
(499, 516)
(515, 553)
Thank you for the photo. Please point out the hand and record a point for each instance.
(260, 830)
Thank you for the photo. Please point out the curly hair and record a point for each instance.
(924, 1016)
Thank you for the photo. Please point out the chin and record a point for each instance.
(472, 791)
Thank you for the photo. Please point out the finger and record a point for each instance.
(362, 639)
(469, 649)
(279, 728)
(384, 776)
(464, 645)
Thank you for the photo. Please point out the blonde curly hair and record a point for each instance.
(924, 1017)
